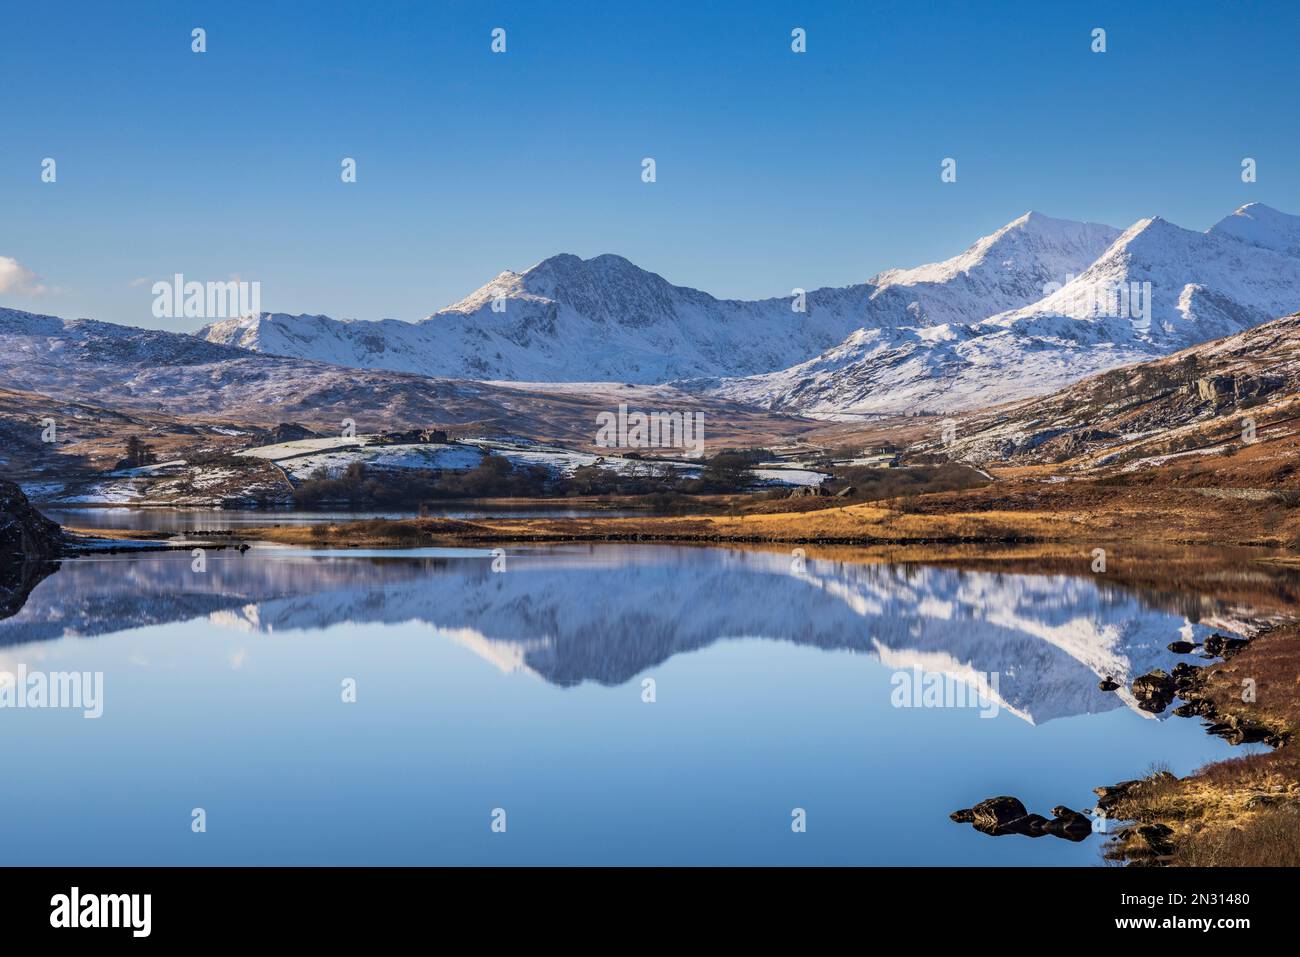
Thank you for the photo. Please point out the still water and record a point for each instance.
(523, 690)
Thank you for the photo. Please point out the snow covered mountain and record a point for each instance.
(48, 362)
(1035, 306)
(1158, 288)
(570, 319)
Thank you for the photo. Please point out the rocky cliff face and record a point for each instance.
(25, 534)
(27, 541)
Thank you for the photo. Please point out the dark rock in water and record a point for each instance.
(28, 541)
(996, 813)
(1068, 824)
(1224, 646)
(1031, 825)
(1004, 815)
(1154, 691)
(1182, 647)
(1108, 684)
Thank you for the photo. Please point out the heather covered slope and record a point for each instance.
(1191, 407)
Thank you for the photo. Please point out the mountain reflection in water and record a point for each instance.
(606, 614)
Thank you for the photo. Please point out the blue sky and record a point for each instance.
(775, 169)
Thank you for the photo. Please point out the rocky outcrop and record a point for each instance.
(25, 534)
(28, 540)
(1234, 390)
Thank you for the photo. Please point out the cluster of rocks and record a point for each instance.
(1003, 815)
(1156, 690)
(1186, 682)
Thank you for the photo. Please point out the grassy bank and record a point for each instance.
(1243, 811)
(1089, 514)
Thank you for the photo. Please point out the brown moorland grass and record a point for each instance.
(1086, 513)
(1244, 811)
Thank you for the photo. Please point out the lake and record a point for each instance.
(776, 685)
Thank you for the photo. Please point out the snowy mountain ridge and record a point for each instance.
(1156, 289)
(572, 319)
(1029, 309)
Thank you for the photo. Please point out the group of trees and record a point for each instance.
(496, 477)
(493, 477)
(137, 455)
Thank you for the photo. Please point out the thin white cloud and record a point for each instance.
(17, 278)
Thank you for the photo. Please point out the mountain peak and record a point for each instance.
(1032, 218)
(1258, 210)
(1034, 249)
(607, 287)
(1262, 226)
(569, 264)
